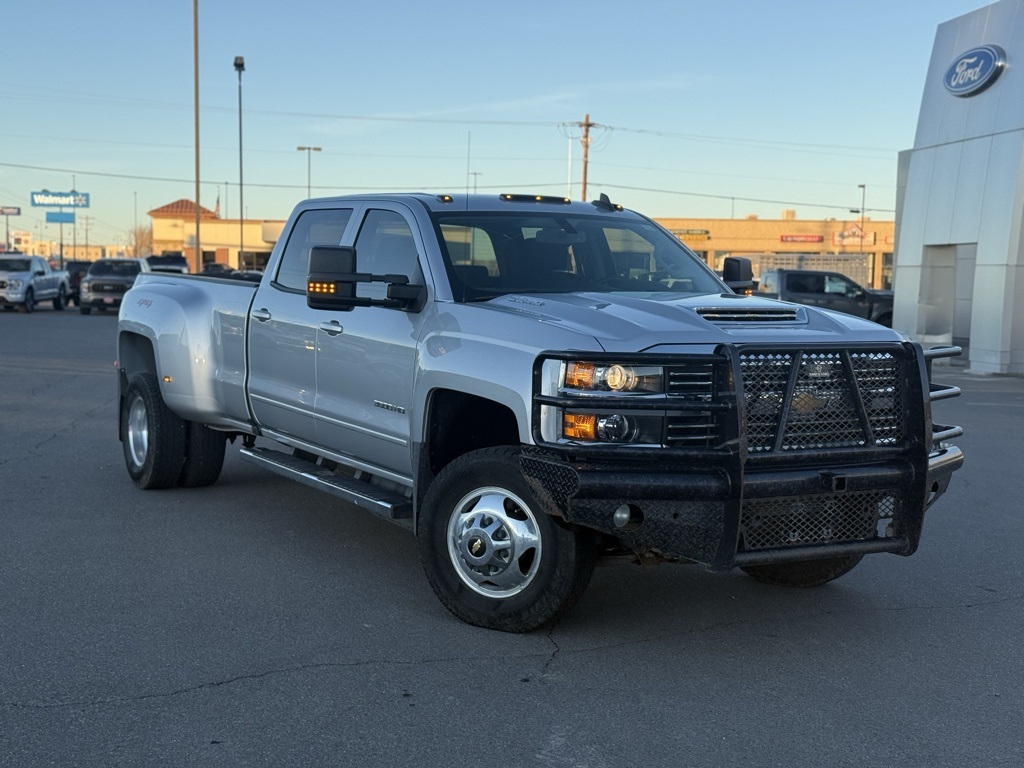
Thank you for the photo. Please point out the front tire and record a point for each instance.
(84, 310)
(152, 436)
(491, 553)
(808, 573)
(30, 301)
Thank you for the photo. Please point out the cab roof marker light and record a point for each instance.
(445, 198)
(510, 198)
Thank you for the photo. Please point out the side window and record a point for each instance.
(320, 227)
(805, 283)
(385, 246)
(835, 284)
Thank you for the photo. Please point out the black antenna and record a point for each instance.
(605, 203)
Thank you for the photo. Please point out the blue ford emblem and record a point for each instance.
(975, 70)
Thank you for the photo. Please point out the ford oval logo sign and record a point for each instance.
(974, 71)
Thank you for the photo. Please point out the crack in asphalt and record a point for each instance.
(549, 660)
(70, 425)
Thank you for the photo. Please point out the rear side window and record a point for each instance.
(319, 227)
(385, 246)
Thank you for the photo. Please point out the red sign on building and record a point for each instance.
(802, 238)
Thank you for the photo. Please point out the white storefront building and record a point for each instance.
(959, 274)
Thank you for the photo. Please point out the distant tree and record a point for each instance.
(141, 241)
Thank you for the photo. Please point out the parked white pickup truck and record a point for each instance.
(531, 384)
(26, 280)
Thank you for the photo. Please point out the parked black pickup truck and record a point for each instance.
(828, 290)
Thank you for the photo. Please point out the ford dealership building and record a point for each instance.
(960, 200)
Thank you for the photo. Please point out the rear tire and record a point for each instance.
(204, 456)
(60, 300)
(808, 573)
(491, 553)
(152, 436)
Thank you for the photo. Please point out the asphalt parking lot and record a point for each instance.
(258, 622)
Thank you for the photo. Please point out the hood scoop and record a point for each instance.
(749, 314)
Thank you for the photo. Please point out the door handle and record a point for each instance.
(331, 327)
(261, 314)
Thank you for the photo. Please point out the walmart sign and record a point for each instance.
(61, 199)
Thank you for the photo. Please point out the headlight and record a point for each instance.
(85, 285)
(668, 402)
(615, 377)
(15, 284)
(612, 428)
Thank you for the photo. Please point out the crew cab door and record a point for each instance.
(283, 330)
(366, 357)
(44, 281)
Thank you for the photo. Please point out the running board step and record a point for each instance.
(387, 504)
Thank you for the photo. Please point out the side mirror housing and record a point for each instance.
(738, 274)
(332, 279)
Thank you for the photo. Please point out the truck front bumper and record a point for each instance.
(766, 516)
(12, 296)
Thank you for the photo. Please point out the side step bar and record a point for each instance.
(387, 504)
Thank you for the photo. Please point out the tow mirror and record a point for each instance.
(332, 279)
(738, 274)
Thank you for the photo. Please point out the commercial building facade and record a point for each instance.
(960, 195)
(865, 255)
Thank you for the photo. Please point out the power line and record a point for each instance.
(737, 197)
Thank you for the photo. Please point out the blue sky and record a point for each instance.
(709, 109)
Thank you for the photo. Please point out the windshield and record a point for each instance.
(124, 268)
(489, 254)
(14, 265)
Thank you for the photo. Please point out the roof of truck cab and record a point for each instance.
(443, 203)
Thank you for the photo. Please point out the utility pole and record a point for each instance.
(87, 222)
(586, 147)
(585, 127)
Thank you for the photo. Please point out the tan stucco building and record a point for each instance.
(832, 244)
(242, 244)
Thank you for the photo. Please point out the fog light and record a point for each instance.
(614, 429)
(628, 517)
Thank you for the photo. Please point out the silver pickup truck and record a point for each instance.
(532, 385)
(26, 280)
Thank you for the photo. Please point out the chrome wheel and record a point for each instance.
(494, 542)
(138, 432)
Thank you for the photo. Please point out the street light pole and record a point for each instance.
(309, 153)
(195, 107)
(240, 68)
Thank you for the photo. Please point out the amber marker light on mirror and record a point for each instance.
(579, 426)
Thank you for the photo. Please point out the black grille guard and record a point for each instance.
(714, 504)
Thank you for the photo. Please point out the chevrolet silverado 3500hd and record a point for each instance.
(531, 384)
